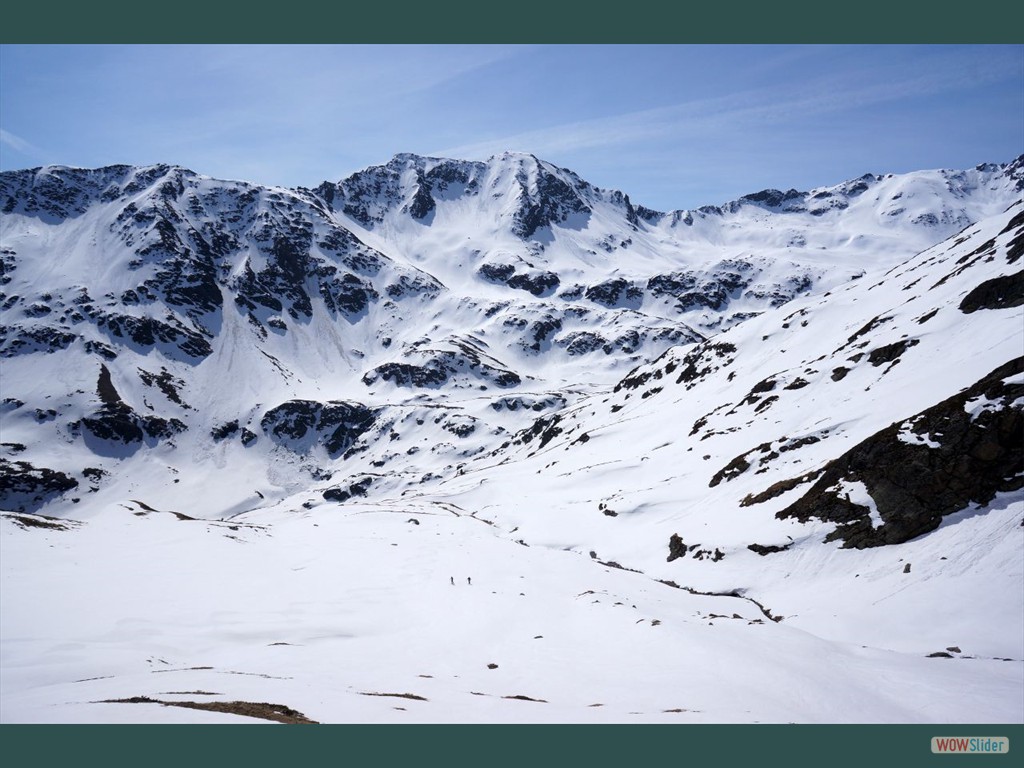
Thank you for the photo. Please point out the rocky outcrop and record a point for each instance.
(961, 451)
(536, 282)
(116, 428)
(26, 488)
(552, 201)
(299, 425)
(463, 364)
(998, 293)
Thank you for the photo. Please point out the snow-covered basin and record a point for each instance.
(363, 614)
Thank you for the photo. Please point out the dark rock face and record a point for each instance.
(890, 352)
(980, 437)
(705, 359)
(553, 203)
(773, 198)
(344, 493)
(539, 284)
(451, 178)
(422, 203)
(432, 374)
(733, 469)
(170, 385)
(413, 285)
(998, 293)
(25, 488)
(676, 547)
(522, 402)
(541, 331)
(116, 425)
(367, 194)
(300, 424)
(460, 426)
(546, 429)
(149, 333)
(676, 284)
(536, 283)
(717, 287)
(444, 366)
(19, 340)
(496, 273)
(582, 342)
(615, 293)
(767, 549)
(224, 431)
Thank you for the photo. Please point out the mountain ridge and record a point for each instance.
(785, 434)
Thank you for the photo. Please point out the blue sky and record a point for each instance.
(673, 126)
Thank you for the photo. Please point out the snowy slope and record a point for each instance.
(744, 440)
(291, 418)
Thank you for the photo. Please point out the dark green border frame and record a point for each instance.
(525, 21)
(496, 746)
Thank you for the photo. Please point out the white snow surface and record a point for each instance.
(205, 570)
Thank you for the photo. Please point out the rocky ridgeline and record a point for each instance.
(173, 260)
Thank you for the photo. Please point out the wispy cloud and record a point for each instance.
(817, 96)
(21, 146)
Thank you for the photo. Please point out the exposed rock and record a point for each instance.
(732, 470)
(518, 402)
(582, 342)
(676, 547)
(546, 428)
(1003, 292)
(443, 366)
(344, 493)
(890, 352)
(21, 340)
(300, 424)
(225, 430)
(25, 488)
(980, 436)
(615, 293)
(538, 283)
(768, 549)
(147, 333)
(777, 489)
(166, 383)
(552, 202)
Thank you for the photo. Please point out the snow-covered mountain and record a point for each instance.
(788, 428)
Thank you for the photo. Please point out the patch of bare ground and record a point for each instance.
(41, 521)
(412, 696)
(520, 697)
(219, 672)
(277, 713)
(179, 515)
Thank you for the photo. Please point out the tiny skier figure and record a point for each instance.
(452, 579)
(469, 580)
